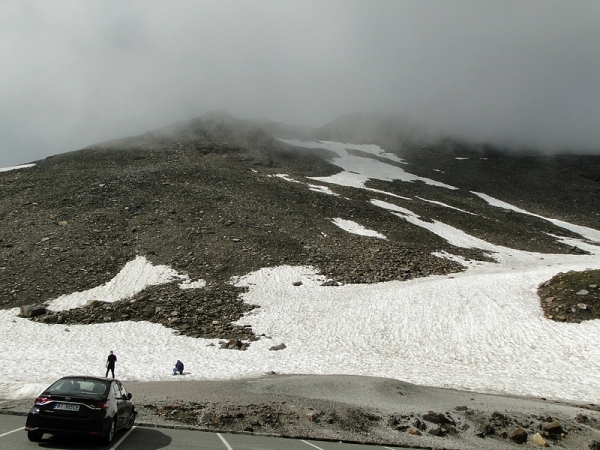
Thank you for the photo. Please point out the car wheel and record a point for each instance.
(130, 421)
(34, 436)
(111, 433)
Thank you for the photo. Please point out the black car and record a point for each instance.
(81, 405)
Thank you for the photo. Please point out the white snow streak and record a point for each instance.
(358, 170)
(355, 228)
(22, 166)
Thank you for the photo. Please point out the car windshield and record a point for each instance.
(82, 386)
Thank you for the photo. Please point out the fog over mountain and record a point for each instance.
(517, 74)
(252, 247)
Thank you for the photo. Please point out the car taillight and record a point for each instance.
(42, 401)
(97, 405)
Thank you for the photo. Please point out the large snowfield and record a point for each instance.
(481, 330)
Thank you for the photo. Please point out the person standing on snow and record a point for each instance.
(110, 364)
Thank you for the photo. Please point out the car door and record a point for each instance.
(123, 404)
(119, 402)
(129, 407)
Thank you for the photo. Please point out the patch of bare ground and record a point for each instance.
(571, 297)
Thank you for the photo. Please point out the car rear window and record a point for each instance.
(78, 386)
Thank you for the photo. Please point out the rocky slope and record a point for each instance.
(204, 198)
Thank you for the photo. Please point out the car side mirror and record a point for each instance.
(129, 396)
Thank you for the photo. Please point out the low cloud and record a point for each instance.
(511, 73)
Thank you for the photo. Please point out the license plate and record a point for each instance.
(66, 407)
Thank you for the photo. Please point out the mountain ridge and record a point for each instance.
(206, 197)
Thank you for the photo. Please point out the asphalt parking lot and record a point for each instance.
(13, 436)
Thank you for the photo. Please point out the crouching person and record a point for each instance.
(178, 368)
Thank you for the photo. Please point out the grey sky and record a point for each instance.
(75, 73)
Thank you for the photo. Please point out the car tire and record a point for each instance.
(34, 436)
(130, 421)
(111, 433)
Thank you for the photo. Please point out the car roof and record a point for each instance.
(86, 377)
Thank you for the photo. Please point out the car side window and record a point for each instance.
(123, 390)
(115, 390)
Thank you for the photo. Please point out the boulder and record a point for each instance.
(438, 418)
(32, 310)
(420, 425)
(539, 440)
(553, 427)
(233, 344)
(438, 431)
(519, 436)
(485, 429)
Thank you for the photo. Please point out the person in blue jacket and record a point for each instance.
(178, 368)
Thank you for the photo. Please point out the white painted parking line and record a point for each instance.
(224, 442)
(13, 431)
(312, 445)
(122, 439)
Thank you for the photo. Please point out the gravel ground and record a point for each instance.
(359, 409)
